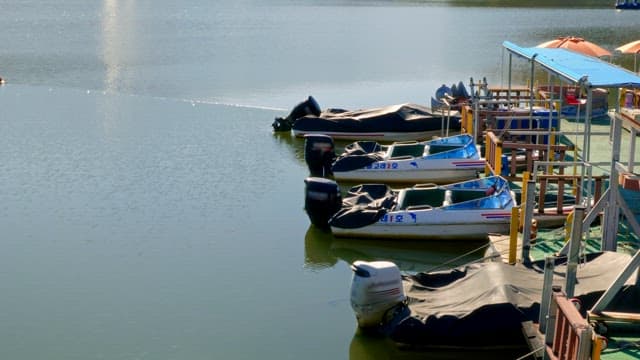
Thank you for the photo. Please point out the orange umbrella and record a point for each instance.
(631, 48)
(576, 44)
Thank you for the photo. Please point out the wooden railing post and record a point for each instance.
(572, 335)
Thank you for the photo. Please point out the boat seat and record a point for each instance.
(571, 99)
(401, 150)
(421, 197)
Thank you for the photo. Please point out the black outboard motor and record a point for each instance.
(322, 200)
(307, 107)
(319, 154)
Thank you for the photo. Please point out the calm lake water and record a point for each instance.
(148, 211)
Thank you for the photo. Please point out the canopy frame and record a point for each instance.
(587, 73)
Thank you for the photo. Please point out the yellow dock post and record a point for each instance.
(513, 234)
(597, 345)
(498, 159)
(493, 155)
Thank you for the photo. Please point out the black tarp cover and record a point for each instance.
(358, 155)
(485, 303)
(363, 205)
(394, 118)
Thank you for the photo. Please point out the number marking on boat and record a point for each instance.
(397, 218)
(382, 166)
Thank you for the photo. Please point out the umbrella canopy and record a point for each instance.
(631, 48)
(576, 44)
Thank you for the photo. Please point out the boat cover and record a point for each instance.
(485, 303)
(358, 155)
(363, 205)
(394, 118)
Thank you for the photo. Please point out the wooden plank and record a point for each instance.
(614, 316)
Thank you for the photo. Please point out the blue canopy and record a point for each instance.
(574, 67)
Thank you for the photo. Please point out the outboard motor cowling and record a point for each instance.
(281, 124)
(319, 154)
(322, 200)
(307, 107)
(376, 290)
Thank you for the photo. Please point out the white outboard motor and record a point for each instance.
(322, 200)
(376, 289)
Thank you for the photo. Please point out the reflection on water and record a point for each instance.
(322, 250)
(294, 144)
(373, 347)
(118, 37)
(365, 347)
(317, 249)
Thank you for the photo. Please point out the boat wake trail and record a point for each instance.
(231, 104)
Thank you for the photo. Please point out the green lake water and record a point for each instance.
(147, 209)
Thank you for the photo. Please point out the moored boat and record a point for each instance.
(474, 306)
(402, 122)
(467, 210)
(441, 160)
(627, 5)
(448, 98)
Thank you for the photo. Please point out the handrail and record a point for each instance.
(570, 333)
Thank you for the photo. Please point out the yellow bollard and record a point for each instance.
(568, 223)
(598, 344)
(513, 234)
(498, 159)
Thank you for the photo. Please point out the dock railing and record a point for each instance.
(520, 155)
(568, 336)
(466, 120)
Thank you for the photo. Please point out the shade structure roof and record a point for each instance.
(577, 68)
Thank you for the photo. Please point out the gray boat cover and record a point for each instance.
(394, 118)
(485, 303)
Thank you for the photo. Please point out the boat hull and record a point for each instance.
(415, 171)
(436, 224)
(441, 160)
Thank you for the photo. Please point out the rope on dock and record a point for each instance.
(530, 353)
(460, 257)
